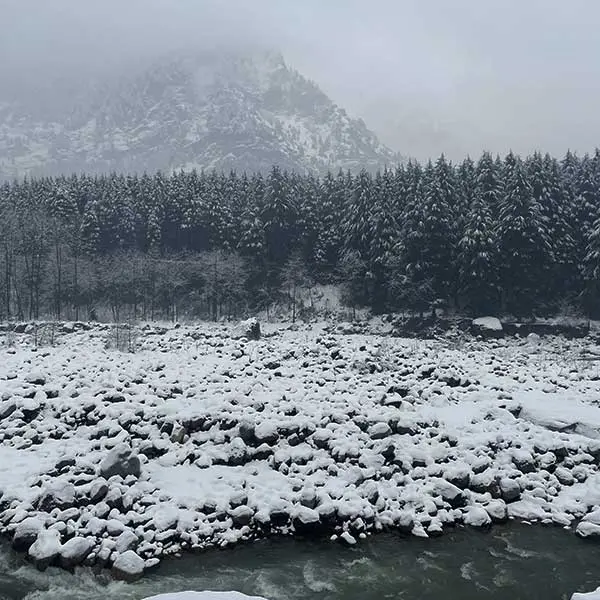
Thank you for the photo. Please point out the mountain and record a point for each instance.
(207, 112)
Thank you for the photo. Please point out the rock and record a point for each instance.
(379, 431)
(128, 566)
(241, 516)
(497, 511)
(26, 533)
(347, 539)
(564, 476)
(98, 491)
(487, 327)
(59, 494)
(7, 408)
(405, 523)
(306, 521)
(524, 461)
(586, 529)
(35, 378)
(45, 549)
(249, 329)
(75, 551)
(509, 490)
(126, 541)
(120, 461)
(477, 516)
(266, 433)
(450, 493)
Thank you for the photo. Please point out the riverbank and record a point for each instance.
(200, 439)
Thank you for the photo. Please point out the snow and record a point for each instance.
(231, 448)
(489, 323)
(204, 596)
(587, 596)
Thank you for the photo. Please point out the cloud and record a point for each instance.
(430, 76)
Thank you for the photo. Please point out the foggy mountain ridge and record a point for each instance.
(205, 111)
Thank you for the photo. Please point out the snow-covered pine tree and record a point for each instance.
(524, 241)
(478, 259)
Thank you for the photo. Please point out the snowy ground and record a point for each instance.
(310, 430)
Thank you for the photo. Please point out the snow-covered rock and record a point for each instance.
(128, 566)
(477, 516)
(75, 551)
(46, 548)
(26, 533)
(249, 329)
(487, 326)
(120, 461)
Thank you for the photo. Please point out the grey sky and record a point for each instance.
(428, 76)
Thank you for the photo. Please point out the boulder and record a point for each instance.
(487, 327)
(121, 461)
(59, 494)
(45, 549)
(26, 533)
(307, 521)
(128, 566)
(249, 329)
(7, 408)
(477, 516)
(75, 551)
(509, 490)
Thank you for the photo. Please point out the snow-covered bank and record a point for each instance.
(202, 440)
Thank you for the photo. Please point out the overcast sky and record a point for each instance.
(428, 76)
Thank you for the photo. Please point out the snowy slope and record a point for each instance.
(223, 112)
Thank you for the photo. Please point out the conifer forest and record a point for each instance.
(497, 235)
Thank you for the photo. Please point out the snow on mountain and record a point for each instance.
(223, 112)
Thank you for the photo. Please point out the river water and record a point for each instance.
(511, 562)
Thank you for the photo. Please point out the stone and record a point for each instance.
(121, 461)
(450, 493)
(98, 491)
(26, 533)
(487, 327)
(306, 521)
(59, 494)
(477, 516)
(7, 408)
(75, 551)
(509, 490)
(126, 541)
(497, 511)
(249, 329)
(128, 566)
(46, 548)
(379, 431)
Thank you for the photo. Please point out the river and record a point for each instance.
(510, 562)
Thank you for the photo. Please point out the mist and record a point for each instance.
(428, 78)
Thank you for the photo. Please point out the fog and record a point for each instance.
(428, 77)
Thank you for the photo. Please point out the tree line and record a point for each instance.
(512, 235)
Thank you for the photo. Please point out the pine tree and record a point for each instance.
(524, 241)
(478, 258)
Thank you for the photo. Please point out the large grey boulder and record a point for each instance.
(45, 549)
(121, 461)
(249, 329)
(26, 533)
(75, 551)
(128, 566)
